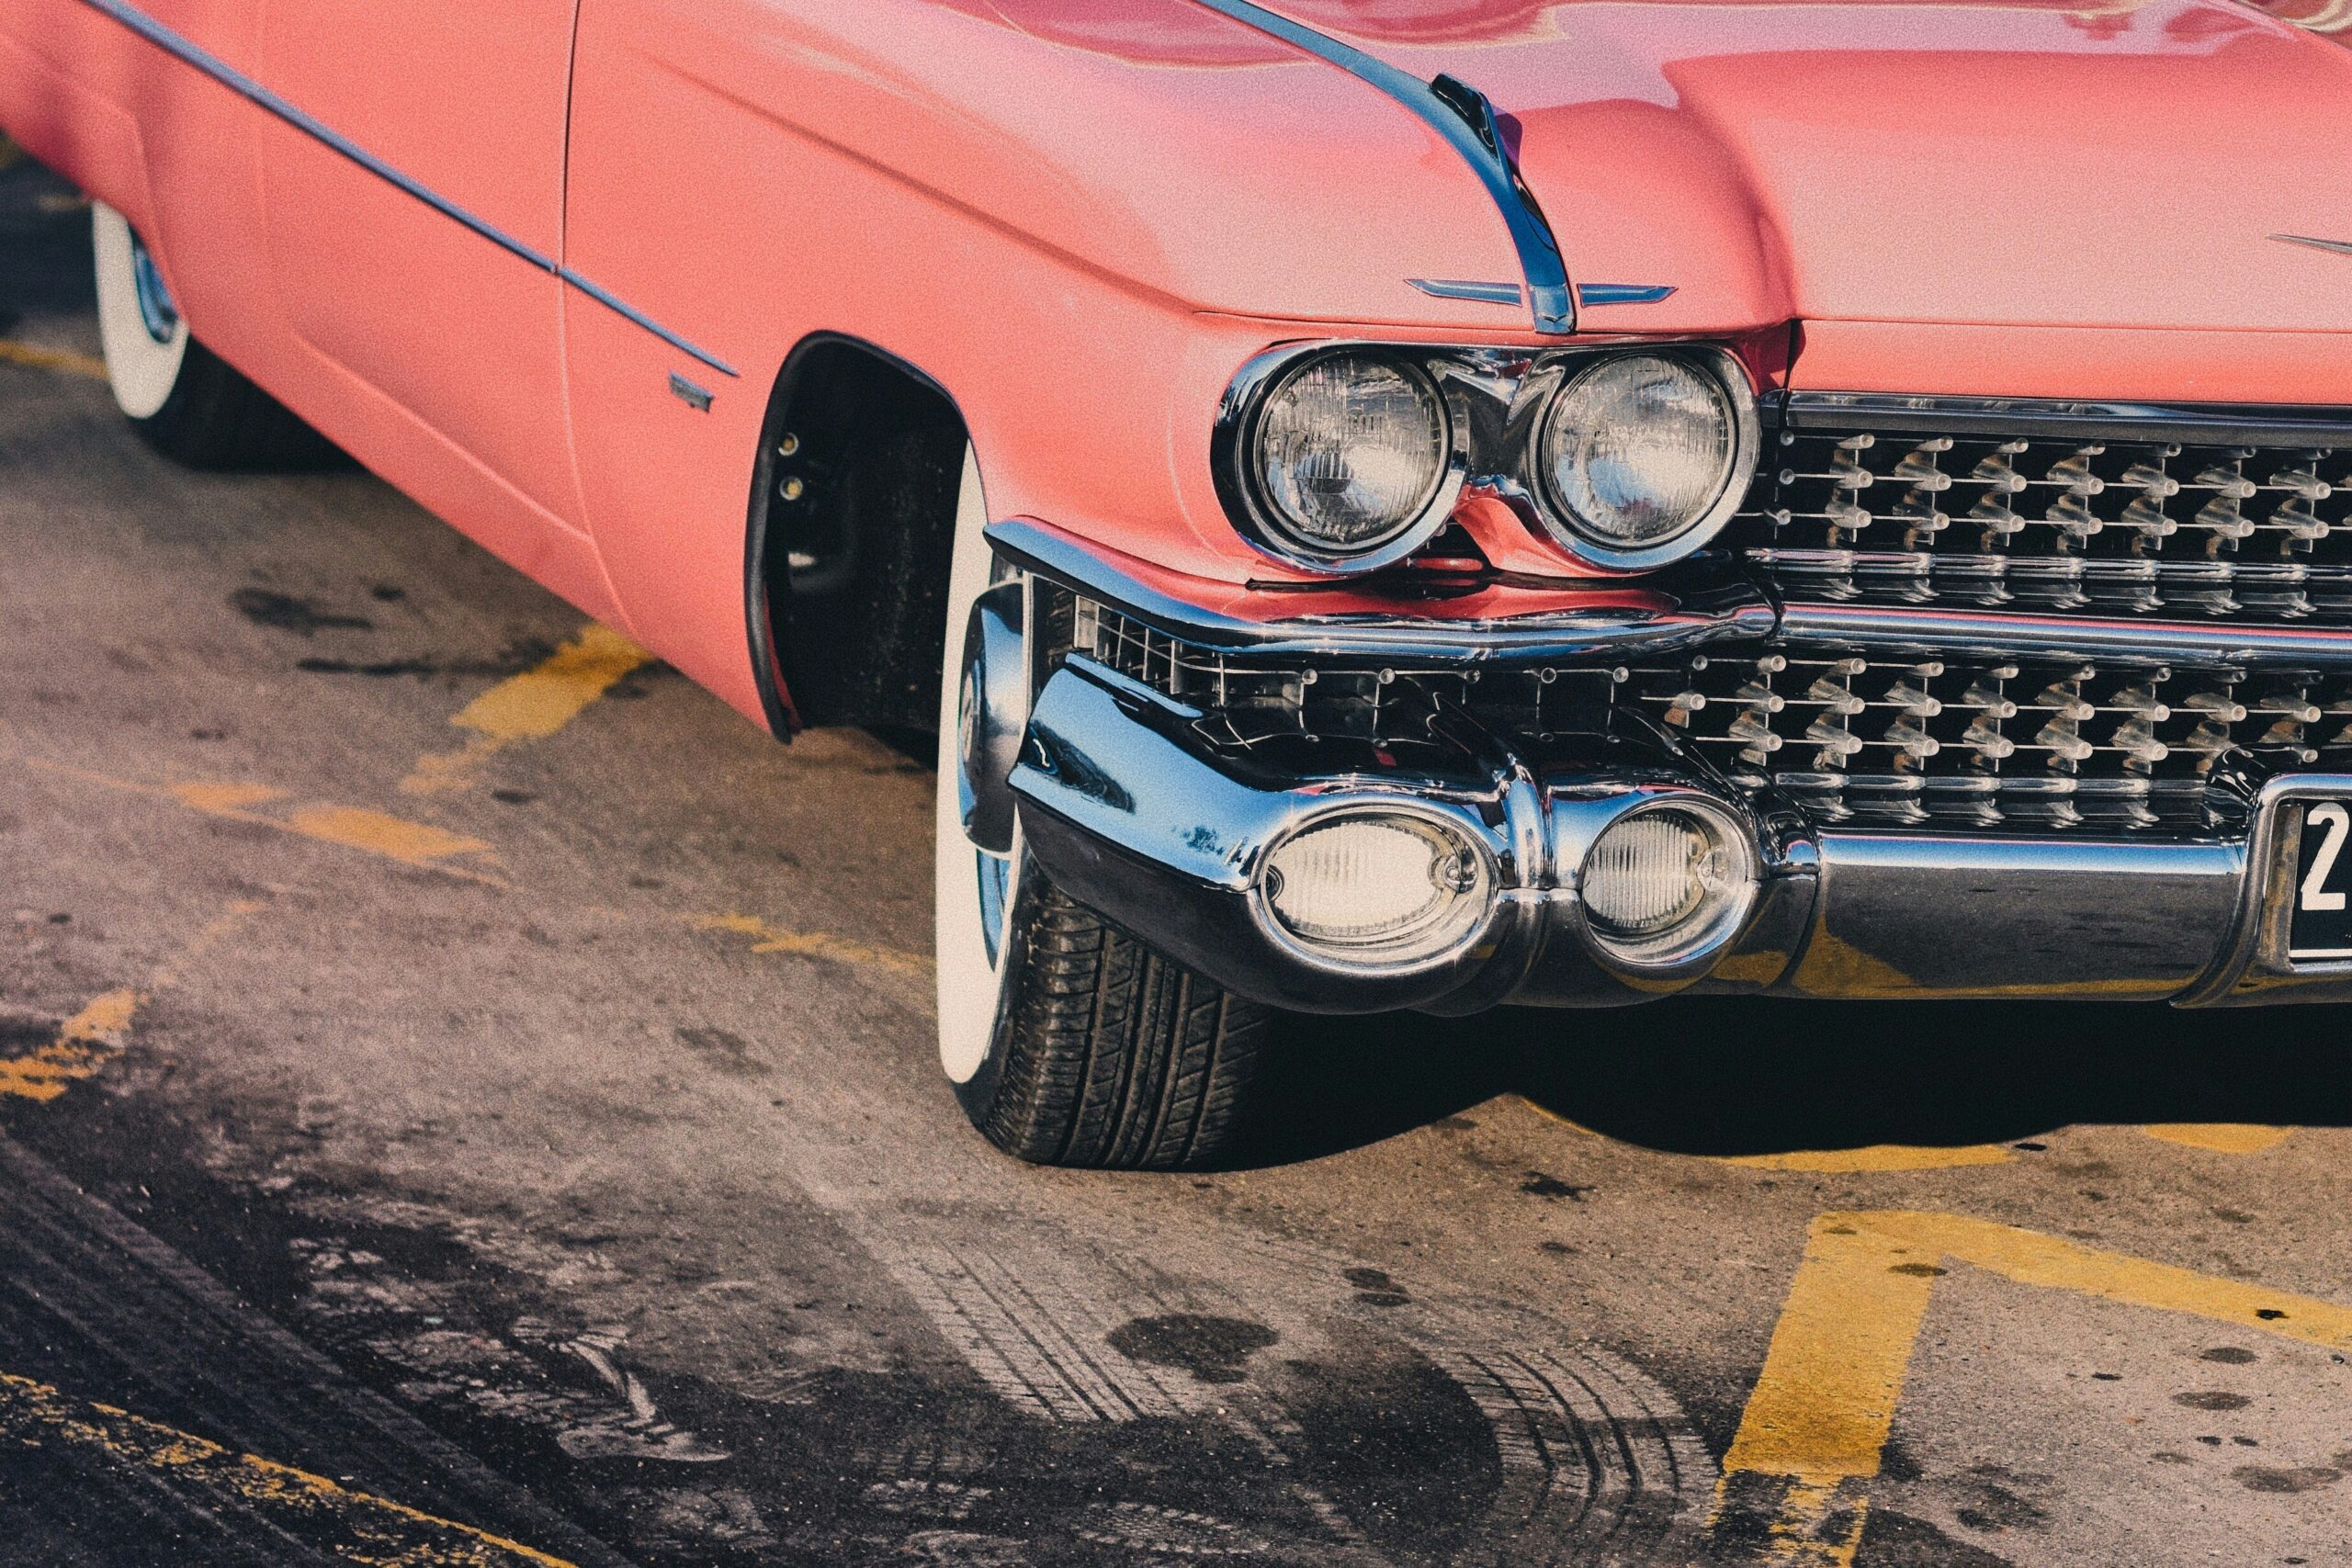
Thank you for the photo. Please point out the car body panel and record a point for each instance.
(463, 332)
(2118, 163)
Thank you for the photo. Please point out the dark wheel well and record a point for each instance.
(851, 527)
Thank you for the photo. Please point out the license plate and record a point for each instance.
(2322, 924)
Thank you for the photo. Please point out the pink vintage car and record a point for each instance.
(1390, 505)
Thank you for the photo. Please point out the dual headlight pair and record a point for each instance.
(1347, 459)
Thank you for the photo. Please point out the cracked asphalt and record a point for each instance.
(467, 1097)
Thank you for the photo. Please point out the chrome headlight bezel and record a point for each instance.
(1234, 454)
(1497, 401)
(1744, 434)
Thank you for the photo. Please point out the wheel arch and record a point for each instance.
(877, 445)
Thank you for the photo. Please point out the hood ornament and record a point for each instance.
(2340, 247)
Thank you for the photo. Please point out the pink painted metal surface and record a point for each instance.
(1080, 216)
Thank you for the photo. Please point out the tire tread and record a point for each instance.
(1116, 1057)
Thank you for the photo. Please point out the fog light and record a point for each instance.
(1377, 888)
(1665, 881)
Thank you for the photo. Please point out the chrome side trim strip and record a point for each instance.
(1624, 293)
(244, 87)
(2340, 247)
(2248, 424)
(1733, 611)
(1484, 293)
(1996, 632)
(1481, 147)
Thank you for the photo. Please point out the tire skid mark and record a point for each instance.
(1020, 1345)
(1601, 1463)
(1026, 1330)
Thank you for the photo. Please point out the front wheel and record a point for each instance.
(189, 402)
(1067, 1041)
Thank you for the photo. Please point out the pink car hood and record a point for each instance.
(2092, 164)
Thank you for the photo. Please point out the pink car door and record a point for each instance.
(448, 307)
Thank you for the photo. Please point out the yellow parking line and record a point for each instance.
(1817, 1422)
(813, 945)
(530, 706)
(2220, 1137)
(1876, 1157)
(32, 356)
(411, 843)
(86, 1041)
(1833, 1162)
(355, 1526)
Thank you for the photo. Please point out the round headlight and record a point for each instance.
(1377, 888)
(1665, 881)
(1350, 453)
(1639, 452)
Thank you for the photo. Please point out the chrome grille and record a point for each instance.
(1899, 741)
(1253, 700)
(2052, 743)
(1984, 517)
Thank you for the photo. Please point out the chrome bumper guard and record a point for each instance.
(1128, 804)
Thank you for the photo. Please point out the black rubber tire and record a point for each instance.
(1109, 1055)
(218, 421)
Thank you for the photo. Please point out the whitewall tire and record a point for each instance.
(187, 401)
(1067, 1041)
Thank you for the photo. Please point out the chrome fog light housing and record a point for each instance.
(1669, 881)
(1343, 461)
(1641, 458)
(1376, 889)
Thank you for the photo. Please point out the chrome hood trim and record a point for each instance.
(1462, 115)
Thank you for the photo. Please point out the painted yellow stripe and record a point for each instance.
(83, 1045)
(2220, 1137)
(65, 362)
(1835, 1162)
(531, 706)
(411, 843)
(355, 1525)
(1817, 1423)
(98, 1033)
(766, 938)
(1876, 1157)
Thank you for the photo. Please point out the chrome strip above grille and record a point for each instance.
(1733, 610)
(1481, 146)
(2212, 423)
(244, 87)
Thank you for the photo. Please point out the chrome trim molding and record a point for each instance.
(1919, 915)
(1448, 107)
(1480, 293)
(189, 53)
(2339, 247)
(2248, 424)
(1137, 812)
(1624, 293)
(1497, 400)
(1730, 378)
(2257, 965)
(1731, 609)
(1994, 632)
(1240, 488)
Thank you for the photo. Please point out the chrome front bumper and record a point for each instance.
(1134, 813)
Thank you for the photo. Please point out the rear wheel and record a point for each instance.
(188, 403)
(1068, 1042)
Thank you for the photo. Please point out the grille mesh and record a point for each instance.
(2049, 743)
(2119, 526)
(2039, 745)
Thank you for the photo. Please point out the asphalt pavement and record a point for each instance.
(467, 1097)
